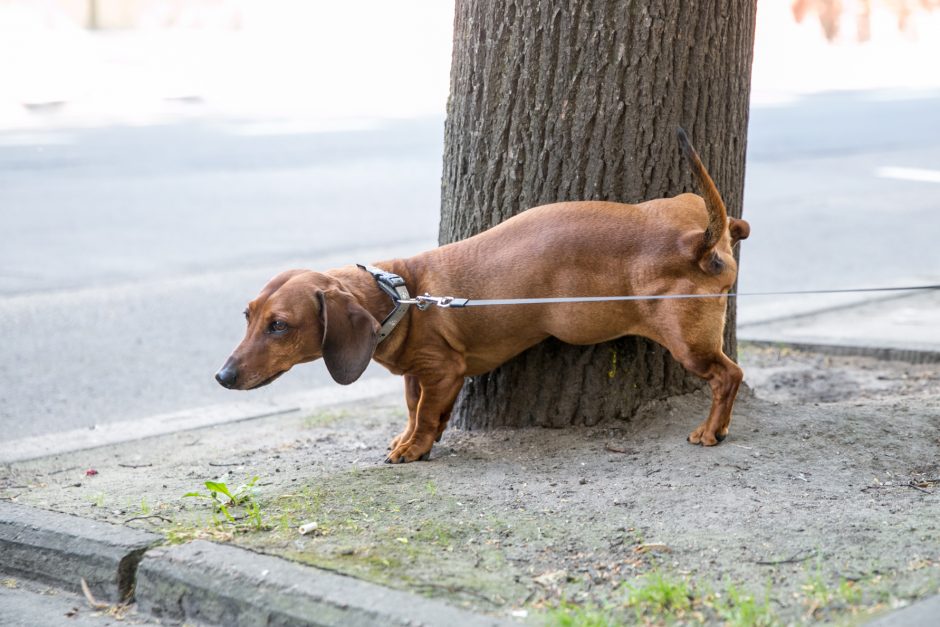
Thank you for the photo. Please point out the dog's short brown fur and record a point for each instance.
(680, 245)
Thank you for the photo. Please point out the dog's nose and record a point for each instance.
(227, 376)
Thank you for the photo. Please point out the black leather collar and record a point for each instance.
(395, 287)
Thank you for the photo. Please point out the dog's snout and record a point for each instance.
(227, 376)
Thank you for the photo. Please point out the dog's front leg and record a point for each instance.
(412, 396)
(438, 394)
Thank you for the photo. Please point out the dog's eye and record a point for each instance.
(277, 326)
(246, 315)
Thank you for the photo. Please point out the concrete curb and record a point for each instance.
(61, 550)
(218, 584)
(885, 353)
(203, 582)
(924, 613)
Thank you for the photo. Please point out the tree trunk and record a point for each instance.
(580, 100)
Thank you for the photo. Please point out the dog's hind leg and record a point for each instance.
(724, 377)
(703, 357)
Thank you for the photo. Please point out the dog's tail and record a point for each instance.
(717, 214)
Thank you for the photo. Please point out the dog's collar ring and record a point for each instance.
(395, 287)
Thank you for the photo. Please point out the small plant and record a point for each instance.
(570, 615)
(658, 595)
(821, 597)
(223, 498)
(739, 609)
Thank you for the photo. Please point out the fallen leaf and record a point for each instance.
(652, 546)
(551, 578)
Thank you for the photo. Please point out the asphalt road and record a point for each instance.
(128, 253)
(832, 201)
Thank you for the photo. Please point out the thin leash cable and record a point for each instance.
(426, 300)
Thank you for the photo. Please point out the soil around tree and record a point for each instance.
(822, 504)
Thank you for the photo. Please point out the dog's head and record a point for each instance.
(301, 316)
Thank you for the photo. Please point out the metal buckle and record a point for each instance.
(441, 301)
(426, 300)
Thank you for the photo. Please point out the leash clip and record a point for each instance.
(444, 302)
(426, 300)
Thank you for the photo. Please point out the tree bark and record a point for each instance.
(580, 100)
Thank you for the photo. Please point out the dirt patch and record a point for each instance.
(823, 503)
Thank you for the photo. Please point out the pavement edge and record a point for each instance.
(222, 584)
(202, 581)
(61, 550)
(883, 353)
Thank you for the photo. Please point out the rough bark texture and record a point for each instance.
(578, 100)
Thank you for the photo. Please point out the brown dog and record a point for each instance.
(680, 245)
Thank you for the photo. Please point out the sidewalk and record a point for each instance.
(810, 492)
(905, 327)
(111, 534)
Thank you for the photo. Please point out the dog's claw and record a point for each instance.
(439, 436)
(720, 437)
(425, 457)
(388, 460)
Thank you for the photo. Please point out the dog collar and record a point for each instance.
(395, 287)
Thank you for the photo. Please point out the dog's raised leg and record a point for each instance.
(438, 394)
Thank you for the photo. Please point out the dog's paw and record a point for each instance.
(705, 436)
(398, 439)
(409, 452)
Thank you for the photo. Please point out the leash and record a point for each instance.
(453, 302)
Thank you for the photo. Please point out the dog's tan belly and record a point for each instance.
(606, 322)
(480, 359)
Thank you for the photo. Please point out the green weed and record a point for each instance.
(821, 597)
(659, 595)
(738, 609)
(570, 615)
(223, 499)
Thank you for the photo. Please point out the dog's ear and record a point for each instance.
(350, 335)
(739, 228)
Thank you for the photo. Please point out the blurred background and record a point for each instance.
(161, 159)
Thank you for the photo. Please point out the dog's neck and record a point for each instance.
(373, 299)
